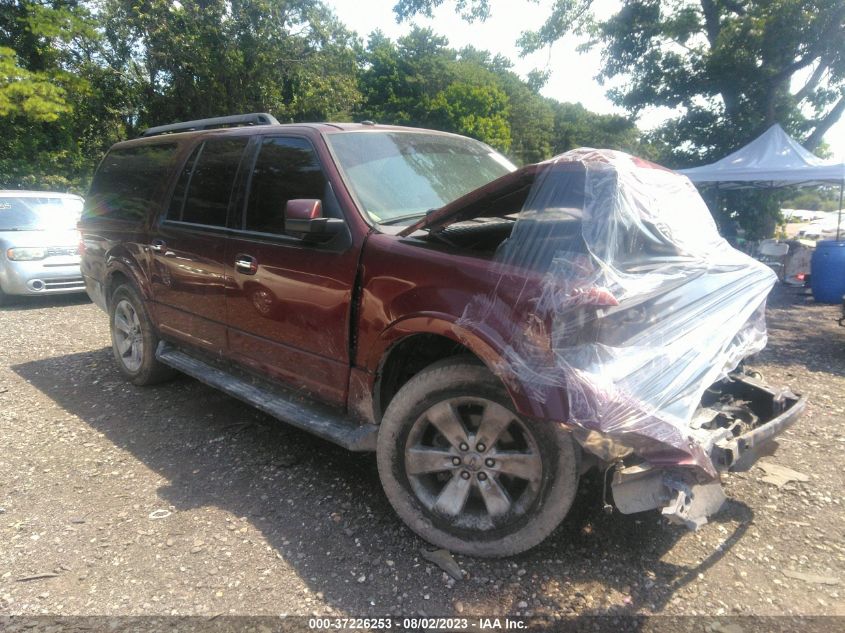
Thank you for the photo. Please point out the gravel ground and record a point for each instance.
(176, 499)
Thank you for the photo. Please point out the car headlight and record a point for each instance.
(26, 254)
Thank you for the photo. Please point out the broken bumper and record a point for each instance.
(777, 411)
(733, 445)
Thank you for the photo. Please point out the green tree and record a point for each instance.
(575, 126)
(78, 75)
(26, 93)
(480, 111)
(530, 117)
(420, 81)
(732, 67)
(47, 52)
(214, 57)
(400, 79)
(812, 198)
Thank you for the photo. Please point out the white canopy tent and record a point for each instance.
(774, 159)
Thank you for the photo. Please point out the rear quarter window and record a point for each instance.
(204, 188)
(128, 180)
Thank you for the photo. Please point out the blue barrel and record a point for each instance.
(827, 270)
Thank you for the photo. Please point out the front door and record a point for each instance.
(289, 301)
(188, 246)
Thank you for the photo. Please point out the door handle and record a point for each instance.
(246, 264)
(157, 245)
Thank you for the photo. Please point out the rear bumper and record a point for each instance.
(682, 494)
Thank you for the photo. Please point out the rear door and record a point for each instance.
(188, 246)
(288, 313)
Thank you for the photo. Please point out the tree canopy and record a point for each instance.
(78, 75)
(731, 67)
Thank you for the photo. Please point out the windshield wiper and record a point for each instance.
(403, 218)
(19, 229)
(410, 216)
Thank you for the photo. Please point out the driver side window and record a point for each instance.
(287, 168)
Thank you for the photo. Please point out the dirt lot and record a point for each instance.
(179, 500)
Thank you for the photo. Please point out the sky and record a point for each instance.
(573, 74)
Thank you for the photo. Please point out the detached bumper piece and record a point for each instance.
(680, 498)
(691, 504)
(738, 421)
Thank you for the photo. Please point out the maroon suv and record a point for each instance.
(490, 332)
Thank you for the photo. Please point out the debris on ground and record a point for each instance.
(37, 577)
(718, 627)
(444, 560)
(813, 578)
(779, 476)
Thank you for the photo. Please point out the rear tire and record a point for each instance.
(134, 339)
(479, 479)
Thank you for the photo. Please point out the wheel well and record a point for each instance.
(406, 359)
(114, 281)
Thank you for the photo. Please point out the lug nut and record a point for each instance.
(482, 476)
(456, 461)
(464, 446)
(480, 447)
(464, 474)
(489, 462)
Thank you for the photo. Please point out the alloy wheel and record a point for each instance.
(473, 463)
(128, 337)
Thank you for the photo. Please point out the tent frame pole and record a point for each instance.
(716, 202)
(839, 217)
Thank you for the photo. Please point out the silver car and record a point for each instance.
(39, 243)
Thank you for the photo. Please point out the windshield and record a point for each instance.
(400, 175)
(30, 213)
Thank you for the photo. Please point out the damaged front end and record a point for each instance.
(737, 422)
(617, 296)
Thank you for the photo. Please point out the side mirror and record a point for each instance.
(304, 218)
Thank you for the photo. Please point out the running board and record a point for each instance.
(316, 419)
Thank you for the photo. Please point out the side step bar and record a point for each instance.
(313, 418)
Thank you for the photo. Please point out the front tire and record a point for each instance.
(134, 340)
(467, 473)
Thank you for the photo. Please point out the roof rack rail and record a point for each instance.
(255, 118)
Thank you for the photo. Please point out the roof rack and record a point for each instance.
(255, 118)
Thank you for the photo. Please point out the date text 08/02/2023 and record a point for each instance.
(446, 624)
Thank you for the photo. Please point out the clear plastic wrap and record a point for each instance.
(635, 305)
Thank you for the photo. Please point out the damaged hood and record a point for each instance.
(678, 308)
(499, 195)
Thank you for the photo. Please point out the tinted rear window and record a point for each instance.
(127, 181)
(205, 185)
